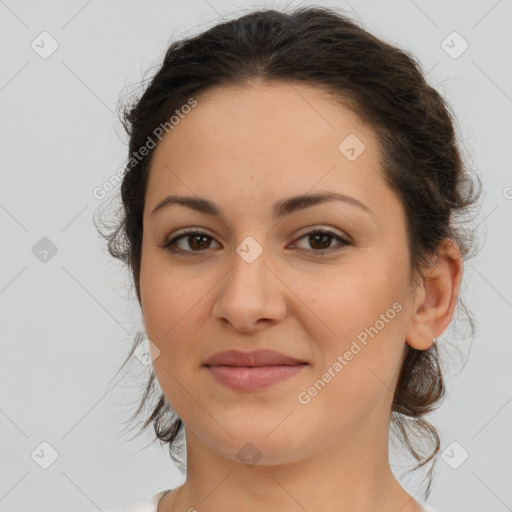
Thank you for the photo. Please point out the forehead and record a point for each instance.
(264, 116)
(268, 141)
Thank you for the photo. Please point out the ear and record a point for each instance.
(436, 297)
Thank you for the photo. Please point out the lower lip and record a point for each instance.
(246, 378)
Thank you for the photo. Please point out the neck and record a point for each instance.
(347, 477)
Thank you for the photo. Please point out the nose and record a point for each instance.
(251, 296)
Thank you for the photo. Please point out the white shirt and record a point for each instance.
(151, 506)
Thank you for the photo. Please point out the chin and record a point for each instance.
(258, 446)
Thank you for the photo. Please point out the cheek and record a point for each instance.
(348, 300)
(173, 305)
(167, 294)
(170, 307)
(359, 315)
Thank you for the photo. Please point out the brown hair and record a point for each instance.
(385, 86)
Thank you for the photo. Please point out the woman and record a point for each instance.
(289, 218)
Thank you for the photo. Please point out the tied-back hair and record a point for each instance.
(385, 86)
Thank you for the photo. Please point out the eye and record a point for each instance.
(199, 241)
(321, 240)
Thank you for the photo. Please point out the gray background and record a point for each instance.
(68, 322)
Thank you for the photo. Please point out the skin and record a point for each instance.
(245, 148)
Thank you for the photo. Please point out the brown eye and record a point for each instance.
(320, 241)
(195, 241)
(198, 242)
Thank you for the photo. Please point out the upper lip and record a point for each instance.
(256, 358)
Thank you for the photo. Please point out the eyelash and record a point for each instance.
(343, 242)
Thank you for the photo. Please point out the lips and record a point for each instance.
(256, 358)
(252, 371)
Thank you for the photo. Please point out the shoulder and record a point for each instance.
(140, 507)
(149, 506)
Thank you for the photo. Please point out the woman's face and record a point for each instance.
(257, 279)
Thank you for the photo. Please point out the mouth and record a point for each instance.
(251, 359)
(253, 378)
(252, 371)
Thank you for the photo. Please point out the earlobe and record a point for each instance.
(436, 298)
(420, 336)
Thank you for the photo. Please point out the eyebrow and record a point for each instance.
(280, 209)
